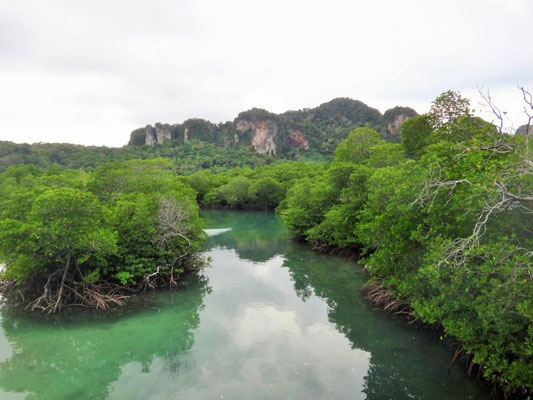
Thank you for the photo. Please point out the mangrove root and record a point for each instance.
(378, 296)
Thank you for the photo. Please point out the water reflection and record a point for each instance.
(214, 232)
(406, 362)
(276, 321)
(255, 236)
(403, 362)
(77, 359)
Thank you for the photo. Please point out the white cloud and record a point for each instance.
(90, 72)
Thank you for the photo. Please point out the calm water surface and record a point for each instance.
(269, 319)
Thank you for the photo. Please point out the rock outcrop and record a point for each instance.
(291, 133)
(393, 120)
(263, 134)
(394, 127)
(298, 140)
(158, 133)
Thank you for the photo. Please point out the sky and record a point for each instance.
(89, 72)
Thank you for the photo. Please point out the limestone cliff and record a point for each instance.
(263, 134)
(393, 120)
(394, 127)
(291, 133)
(157, 134)
(298, 140)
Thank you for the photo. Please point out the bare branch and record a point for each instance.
(433, 185)
(485, 95)
(172, 221)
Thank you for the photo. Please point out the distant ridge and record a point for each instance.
(317, 129)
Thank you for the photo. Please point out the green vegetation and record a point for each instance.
(185, 158)
(69, 237)
(74, 237)
(443, 221)
(261, 188)
(415, 133)
(442, 217)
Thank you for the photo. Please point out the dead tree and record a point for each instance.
(172, 222)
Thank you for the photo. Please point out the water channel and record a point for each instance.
(269, 319)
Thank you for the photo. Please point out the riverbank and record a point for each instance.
(268, 319)
(382, 299)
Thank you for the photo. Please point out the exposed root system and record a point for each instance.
(378, 296)
(66, 288)
(100, 296)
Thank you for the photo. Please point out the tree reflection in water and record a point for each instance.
(78, 358)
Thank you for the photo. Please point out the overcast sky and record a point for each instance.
(90, 72)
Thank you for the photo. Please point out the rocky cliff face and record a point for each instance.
(291, 133)
(393, 120)
(263, 134)
(157, 134)
(298, 140)
(393, 128)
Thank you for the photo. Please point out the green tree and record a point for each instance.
(266, 193)
(415, 132)
(356, 147)
(235, 192)
(65, 235)
(68, 237)
(447, 108)
(306, 203)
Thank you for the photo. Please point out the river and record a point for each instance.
(269, 319)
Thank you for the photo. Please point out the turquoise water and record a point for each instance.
(269, 319)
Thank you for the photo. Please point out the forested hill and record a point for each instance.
(290, 134)
(256, 137)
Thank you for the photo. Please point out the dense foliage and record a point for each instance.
(443, 221)
(185, 158)
(71, 237)
(260, 188)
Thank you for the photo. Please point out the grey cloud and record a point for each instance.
(171, 60)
